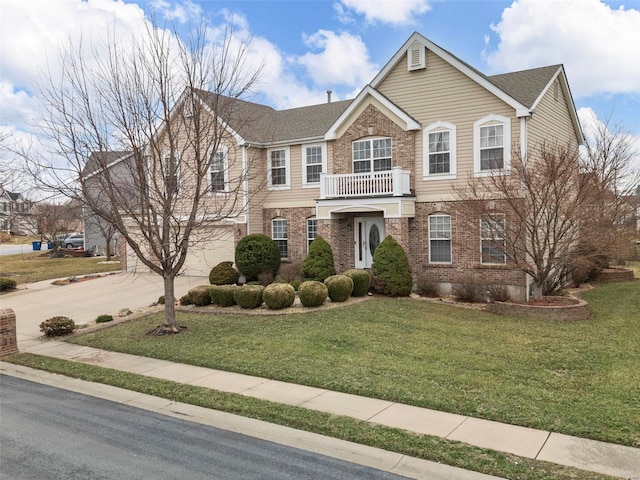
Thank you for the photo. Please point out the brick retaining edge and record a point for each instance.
(561, 313)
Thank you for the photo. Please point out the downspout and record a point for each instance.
(523, 156)
(245, 186)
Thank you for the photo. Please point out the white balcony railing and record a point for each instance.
(394, 182)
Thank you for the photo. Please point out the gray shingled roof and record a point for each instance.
(262, 124)
(525, 86)
(98, 161)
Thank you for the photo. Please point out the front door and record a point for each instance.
(369, 232)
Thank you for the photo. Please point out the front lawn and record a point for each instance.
(36, 266)
(576, 378)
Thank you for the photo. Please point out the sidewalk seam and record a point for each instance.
(543, 445)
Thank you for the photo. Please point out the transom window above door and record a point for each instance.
(372, 155)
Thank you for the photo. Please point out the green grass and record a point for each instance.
(421, 446)
(576, 378)
(36, 266)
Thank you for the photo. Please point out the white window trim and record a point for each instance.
(506, 130)
(305, 183)
(450, 239)
(274, 238)
(433, 128)
(308, 237)
(504, 226)
(225, 167)
(287, 163)
(372, 158)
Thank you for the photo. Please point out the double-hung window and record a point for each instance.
(372, 155)
(217, 172)
(440, 239)
(170, 173)
(492, 141)
(278, 165)
(280, 236)
(312, 231)
(314, 164)
(439, 159)
(492, 243)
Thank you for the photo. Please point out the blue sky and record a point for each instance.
(311, 46)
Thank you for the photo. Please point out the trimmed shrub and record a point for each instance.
(339, 287)
(199, 296)
(255, 254)
(161, 300)
(104, 318)
(467, 292)
(361, 281)
(319, 262)
(185, 300)
(392, 269)
(7, 284)
(278, 296)
(57, 326)
(224, 274)
(312, 293)
(223, 295)
(248, 296)
(296, 284)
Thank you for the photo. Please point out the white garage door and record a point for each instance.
(206, 254)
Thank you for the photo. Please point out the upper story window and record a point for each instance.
(217, 172)
(314, 163)
(439, 159)
(312, 230)
(171, 173)
(373, 155)
(280, 235)
(278, 165)
(491, 144)
(492, 240)
(439, 238)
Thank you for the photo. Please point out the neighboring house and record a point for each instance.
(15, 213)
(386, 163)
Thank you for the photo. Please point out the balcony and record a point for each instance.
(389, 183)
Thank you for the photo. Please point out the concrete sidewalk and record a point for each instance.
(84, 301)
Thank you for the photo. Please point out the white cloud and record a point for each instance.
(343, 59)
(396, 12)
(597, 44)
(183, 12)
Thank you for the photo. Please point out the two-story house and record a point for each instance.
(15, 213)
(388, 161)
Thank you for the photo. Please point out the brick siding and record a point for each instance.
(8, 339)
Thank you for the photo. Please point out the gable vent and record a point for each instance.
(416, 58)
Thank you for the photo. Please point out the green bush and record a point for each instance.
(248, 296)
(296, 284)
(319, 262)
(7, 284)
(279, 295)
(223, 295)
(312, 293)
(57, 326)
(340, 287)
(161, 300)
(223, 274)
(257, 254)
(361, 281)
(104, 318)
(391, 269)
(199, 296)
(185, 300)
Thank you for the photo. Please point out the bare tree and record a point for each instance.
(136, 130)
(51, 220)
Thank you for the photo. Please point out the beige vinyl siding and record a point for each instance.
(257, 188)
(443, 93)
(296, 196)
(551, 121)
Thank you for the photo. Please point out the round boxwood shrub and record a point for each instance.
(361, 281)
(319, 262)
(161, 300)
(7, 284)
(57, 326)
(391, 269)
(185, 300)
(223, 274)
(279, 295)
(255, 254)
(104, 318)
(223, 295)
(340, 287)
(248, 296)
(199, 296)
(312, 293)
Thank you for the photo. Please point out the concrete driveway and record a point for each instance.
(84, 301)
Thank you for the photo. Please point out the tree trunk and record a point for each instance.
(170, 324)
(108, 250)
(537, 290)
